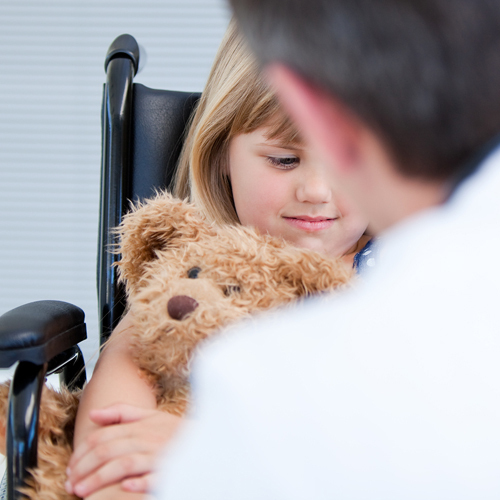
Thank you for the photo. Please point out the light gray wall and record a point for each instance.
(51, 76)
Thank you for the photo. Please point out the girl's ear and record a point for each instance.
(159, 224)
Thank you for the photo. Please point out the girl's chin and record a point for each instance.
(308, 240)
(313, 244)
(323, 247)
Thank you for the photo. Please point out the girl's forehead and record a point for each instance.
(263, 137)
(280, 129)
(260, 108)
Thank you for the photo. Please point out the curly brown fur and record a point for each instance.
(55, 442)
(239, 273)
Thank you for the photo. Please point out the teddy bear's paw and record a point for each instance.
(175, 401)
(55, 442)
(47, 487)
(4, 405)
(57, 417)
(52, 490)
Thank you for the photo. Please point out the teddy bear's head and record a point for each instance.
(187, 278)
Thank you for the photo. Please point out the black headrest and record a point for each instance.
(159, 119)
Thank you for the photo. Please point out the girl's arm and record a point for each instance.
(115, 379)
(109, 450)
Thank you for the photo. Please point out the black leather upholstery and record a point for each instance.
(143, 132)
(38, 331)
(158, 124)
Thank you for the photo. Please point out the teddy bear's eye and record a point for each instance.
(193, 273)
(229, 290)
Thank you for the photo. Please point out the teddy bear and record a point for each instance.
(186, 280)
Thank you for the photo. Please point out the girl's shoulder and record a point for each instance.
(365, 258)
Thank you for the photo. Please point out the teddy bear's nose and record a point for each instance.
(180, 306)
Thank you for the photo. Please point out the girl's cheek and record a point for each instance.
(349, 211)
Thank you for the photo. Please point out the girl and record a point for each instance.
(242, 163)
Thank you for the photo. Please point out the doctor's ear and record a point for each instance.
(325, 123)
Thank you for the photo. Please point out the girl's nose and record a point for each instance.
(314, 189)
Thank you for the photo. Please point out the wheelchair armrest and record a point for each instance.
(38, 331)
(41, 336)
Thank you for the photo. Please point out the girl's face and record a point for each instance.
(283, 190)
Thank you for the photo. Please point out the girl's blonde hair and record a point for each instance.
(236, 100)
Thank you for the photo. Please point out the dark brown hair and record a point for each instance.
(423, 74)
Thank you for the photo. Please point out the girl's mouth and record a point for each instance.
(307, 223)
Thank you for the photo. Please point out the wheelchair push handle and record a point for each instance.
(124, 46)
(121, 65)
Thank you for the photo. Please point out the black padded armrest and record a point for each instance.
(38, 331)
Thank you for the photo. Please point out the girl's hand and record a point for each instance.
(122, 450)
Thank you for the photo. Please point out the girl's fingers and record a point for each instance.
(104, 453)
(146, 436)
(140, 433)
(119, 414)
(113, 472)
(140, 484)
(97, 438)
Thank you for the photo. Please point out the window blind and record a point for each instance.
(51, 76)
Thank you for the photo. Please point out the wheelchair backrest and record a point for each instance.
(142, 135)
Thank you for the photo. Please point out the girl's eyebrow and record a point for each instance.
(282, 145)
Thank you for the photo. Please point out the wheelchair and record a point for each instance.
(142, 136)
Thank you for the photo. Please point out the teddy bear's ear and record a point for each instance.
(155, 225)
(309, 273)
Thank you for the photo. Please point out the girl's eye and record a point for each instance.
(193, 273)
(283, 162)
